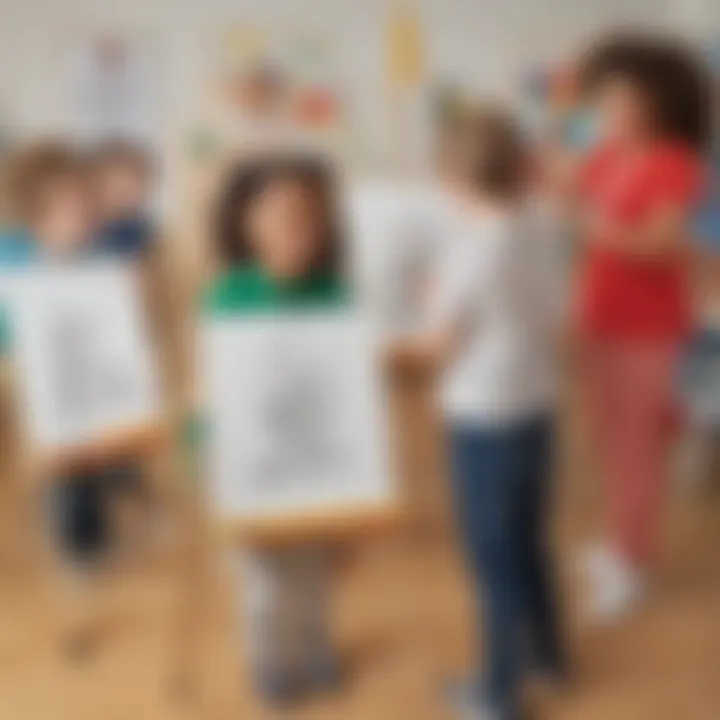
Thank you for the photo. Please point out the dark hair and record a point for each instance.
(249, 179)
(487, 149)
(676, 83)
(35, 169)
(121, 151)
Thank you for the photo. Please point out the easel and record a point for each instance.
(68, 614)
(210, 541)
(415, 522)
(17, 542)
(40, 463)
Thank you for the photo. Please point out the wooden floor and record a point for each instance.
(403, 624)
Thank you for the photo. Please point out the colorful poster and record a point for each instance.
(288, 79)
(114, 90)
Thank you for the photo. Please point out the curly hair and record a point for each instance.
(246, 182)
(675, 82)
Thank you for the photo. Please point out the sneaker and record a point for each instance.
(324, 673)
(617, 587)
(277, 688)
(463, 696)
(598, 560)
(467, 702)
(479, 711)
(556, 679)
(482, 712)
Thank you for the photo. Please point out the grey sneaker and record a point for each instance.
(324, 673)
(480, 712)
(277, 688)
(468, 702)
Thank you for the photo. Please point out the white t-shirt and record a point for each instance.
(499, 279)
(394, 233)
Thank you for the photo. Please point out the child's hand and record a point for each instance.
(399, 356)
(409, 355)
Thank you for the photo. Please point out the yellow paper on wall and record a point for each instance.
(406, 51)
(243, 44)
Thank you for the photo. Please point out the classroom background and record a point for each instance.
(199, 84)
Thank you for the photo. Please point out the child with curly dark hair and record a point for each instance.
(638, 188)
(278, 246)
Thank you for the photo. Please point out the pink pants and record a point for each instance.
(634, 417)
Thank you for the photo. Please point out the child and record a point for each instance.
(639, 185)
(278, 242)
(49, 199)
(122, 177)
(491, 332)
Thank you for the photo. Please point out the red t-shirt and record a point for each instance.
(625, 297)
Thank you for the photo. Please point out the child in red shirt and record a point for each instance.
(638, 188)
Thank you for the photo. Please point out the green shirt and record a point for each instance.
(248, 290)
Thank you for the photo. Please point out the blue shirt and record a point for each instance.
(127, 237)
(16, 250)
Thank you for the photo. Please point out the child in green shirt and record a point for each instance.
(278, 241)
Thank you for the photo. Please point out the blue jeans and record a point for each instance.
(501, 479)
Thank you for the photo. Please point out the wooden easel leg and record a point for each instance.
(65, 586)
(419, 443)
(35, 508)
(189, 627)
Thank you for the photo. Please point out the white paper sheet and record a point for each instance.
(296, 417)
(82, 354)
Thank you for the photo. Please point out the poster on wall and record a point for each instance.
(114, 89)
(397, 233)
(297, 424)
(552, 107)
(409, 119)
(82, 355)
(275, 85)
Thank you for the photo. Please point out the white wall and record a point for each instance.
(484, 41)
(699, 18)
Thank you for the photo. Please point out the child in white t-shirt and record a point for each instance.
(491, 331)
